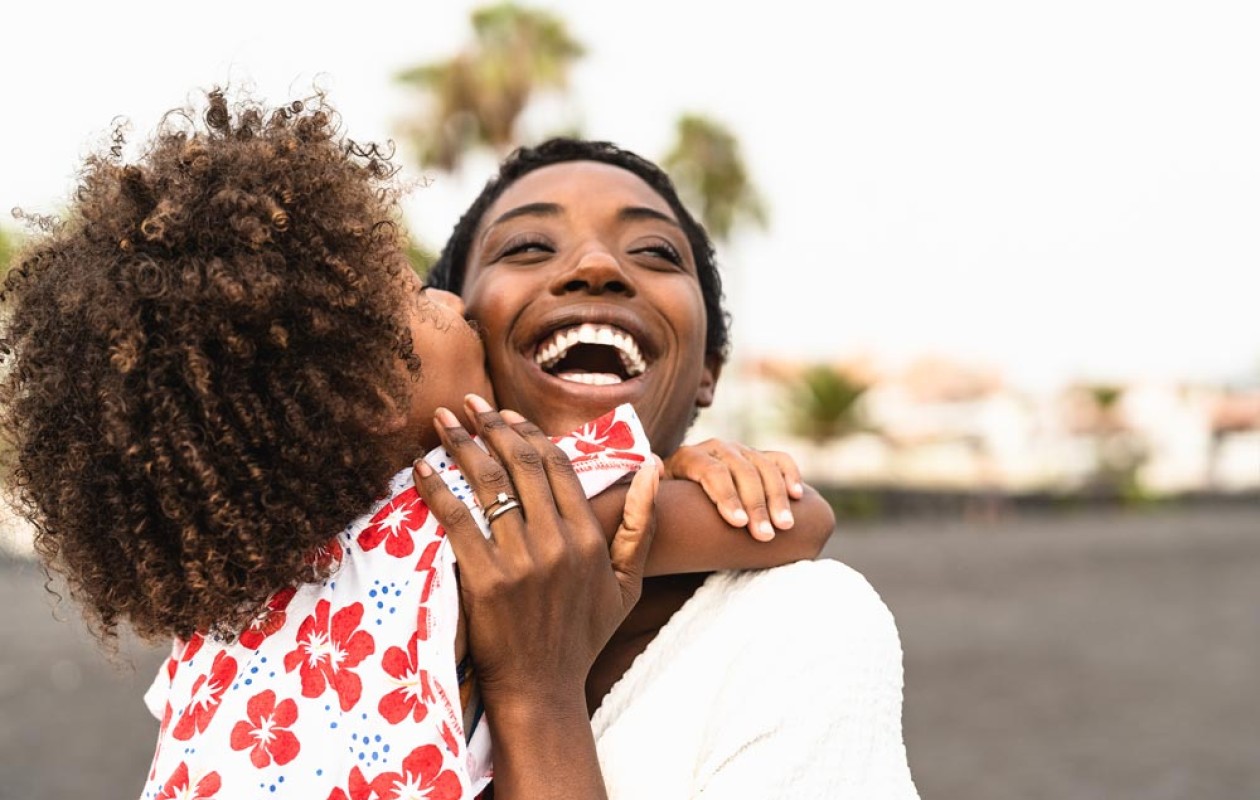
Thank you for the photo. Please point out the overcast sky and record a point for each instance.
(1060, 190)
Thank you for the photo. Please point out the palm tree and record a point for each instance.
(823, 403)
(1119, 453)
(706, 163)
(475, 99)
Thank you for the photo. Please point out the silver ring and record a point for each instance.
(502, 504)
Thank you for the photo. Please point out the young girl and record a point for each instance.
(217, 361)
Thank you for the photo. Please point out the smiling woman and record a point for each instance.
(581, 266)
(558, 223)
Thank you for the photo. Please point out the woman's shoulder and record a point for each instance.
(823, 600)
(801, 584)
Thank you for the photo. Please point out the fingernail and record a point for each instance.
(511, 417)
(765, 529)
(785, 519)
(740, 516)
(445, 418)
(477, 403)
(798, 489)
(423, 468)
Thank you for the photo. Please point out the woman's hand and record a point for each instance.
(546, 591)
(749, 487)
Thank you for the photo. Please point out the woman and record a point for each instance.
(778, 683)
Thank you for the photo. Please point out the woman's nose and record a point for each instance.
(596, 271)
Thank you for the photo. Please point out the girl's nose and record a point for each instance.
(445, 298)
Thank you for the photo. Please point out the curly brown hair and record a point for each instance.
(197, 361)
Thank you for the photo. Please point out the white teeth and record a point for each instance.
(590, 378)
(556, 346)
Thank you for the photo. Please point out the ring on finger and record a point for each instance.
(502, 504)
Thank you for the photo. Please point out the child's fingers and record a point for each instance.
(704, 464)
(774, 486)
(630, 545)
(790, 471)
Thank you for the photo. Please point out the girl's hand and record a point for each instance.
(546, 591)
(749, 487)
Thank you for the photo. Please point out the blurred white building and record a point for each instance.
(945, 425)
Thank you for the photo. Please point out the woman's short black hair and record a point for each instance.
(449, 271)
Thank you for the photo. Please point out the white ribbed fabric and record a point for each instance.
(779, 683)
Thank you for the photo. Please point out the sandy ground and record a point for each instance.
(1073, 658)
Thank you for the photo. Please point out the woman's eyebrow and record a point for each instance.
(634, 213)
(527, 210)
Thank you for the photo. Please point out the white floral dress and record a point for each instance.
(347, 689)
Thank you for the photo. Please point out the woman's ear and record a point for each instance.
(708, 380)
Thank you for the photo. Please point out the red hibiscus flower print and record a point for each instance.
(422, 776)
(207, 693)
(157, 750)
(413, 693)
(328, 650)
(605, 433)
(181, 787)
(267, 730)
(357, 789)
(190, 649)
(396, 524)
(326, 557)
(607, 457)
(270, 620)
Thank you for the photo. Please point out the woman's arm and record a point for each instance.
(542, 596)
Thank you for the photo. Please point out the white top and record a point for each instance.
(774, 683)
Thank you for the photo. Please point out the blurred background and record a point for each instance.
(993, 273)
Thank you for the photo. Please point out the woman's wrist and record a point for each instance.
(534, 704)
(544, 747)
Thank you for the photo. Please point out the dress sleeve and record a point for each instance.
(155, 696)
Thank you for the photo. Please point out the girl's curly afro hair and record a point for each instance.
(197, 362)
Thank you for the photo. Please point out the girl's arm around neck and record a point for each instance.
(692, 536)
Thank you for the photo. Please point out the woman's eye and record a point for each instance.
(662, 251)
(520, 246)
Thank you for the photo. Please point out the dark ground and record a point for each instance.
(1075, 657)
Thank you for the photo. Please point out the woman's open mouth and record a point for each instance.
(591, 354)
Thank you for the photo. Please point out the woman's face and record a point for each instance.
(452, 359)
(585, 288)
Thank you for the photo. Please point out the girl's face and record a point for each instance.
(452, 360)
